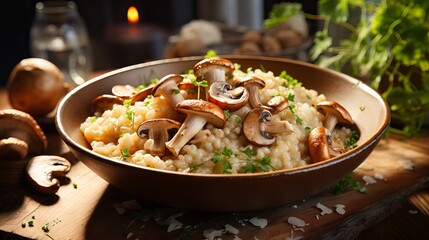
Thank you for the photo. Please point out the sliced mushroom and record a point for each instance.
(278, 104)
(105, 102)
(125, 91)
(334, 113)
(259, 129)
(253, 84)
(42, 172)
(319, 145)
(130, 92)
(199, 113)
(168, 88)
(223, 95)
(213, 69)
(158, 130)
(13, 149)
(21, 125)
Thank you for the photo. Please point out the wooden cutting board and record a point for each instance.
(86, 207)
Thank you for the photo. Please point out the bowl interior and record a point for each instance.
(367, 108)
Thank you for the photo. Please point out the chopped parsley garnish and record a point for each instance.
(210, 53)
(291, 97)
(256, 165)
(176, 91)
(222, 159)
(129, 112)
(92, 119)
(30, 223)
(262, 68)
(298, 120)
(74, 185)
(347, 184)
(307, 129)
(351, 142)
(227, 114)
(199, 84)
(361, 108)
(238, 119)
(45, 227)
(125, 153)
(23, 224)
(290, 82)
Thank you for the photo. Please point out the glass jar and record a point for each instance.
(59, 35)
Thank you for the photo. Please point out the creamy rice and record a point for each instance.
(113, 134)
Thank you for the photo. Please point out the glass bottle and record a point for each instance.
(58, 34)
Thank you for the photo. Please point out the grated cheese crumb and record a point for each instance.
(211, 234)
(231, 229)
(325, 210)
(259, 222)
(339, 208)
(317, 216)
(365, 166)
(408, 165)
(129, 235)
(295, 206)
(296, 222)
(119, 209)
(174, 225)
(131, 204)
(369, 180)
(413, 211)
(379, 176)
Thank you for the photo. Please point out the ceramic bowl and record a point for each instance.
(239, 192)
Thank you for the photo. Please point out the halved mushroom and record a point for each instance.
(105, 102)
(199, 113)
(319, 145)
(278, 104)
(168, 88)
(223, 95)
(158, 130)
(13, 149)
(334, 113)
(253, 84)
(132, 93)
(213, 69)
(21, 125)
(42, 172)
(259, 129)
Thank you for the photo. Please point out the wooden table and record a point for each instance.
(87, 207)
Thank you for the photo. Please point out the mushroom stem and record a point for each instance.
(190, 127)
(275, 127)
(330, 121)
(254, 99)
(168, 92)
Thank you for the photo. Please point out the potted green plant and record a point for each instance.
(388, 47)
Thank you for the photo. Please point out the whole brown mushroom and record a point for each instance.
(35, 86)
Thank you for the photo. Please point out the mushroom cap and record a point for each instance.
(252, 130)
(158, 130)
(35, 86)
(252, 81)
(170, 77)
(318, 144)
(335, 109)
(21, 125)
(13, 149)
(163, 124)
(222, 94)
(212, 112)
(209, 64)
(105, 102)
(278, 104)
(141, 95)
(123, 90)
(42, 170)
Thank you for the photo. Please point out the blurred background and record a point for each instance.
(115, 42)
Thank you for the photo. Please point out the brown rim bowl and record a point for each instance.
(238, 192)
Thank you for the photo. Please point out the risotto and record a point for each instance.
(213, 149)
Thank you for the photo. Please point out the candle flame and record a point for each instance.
(132, 15)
